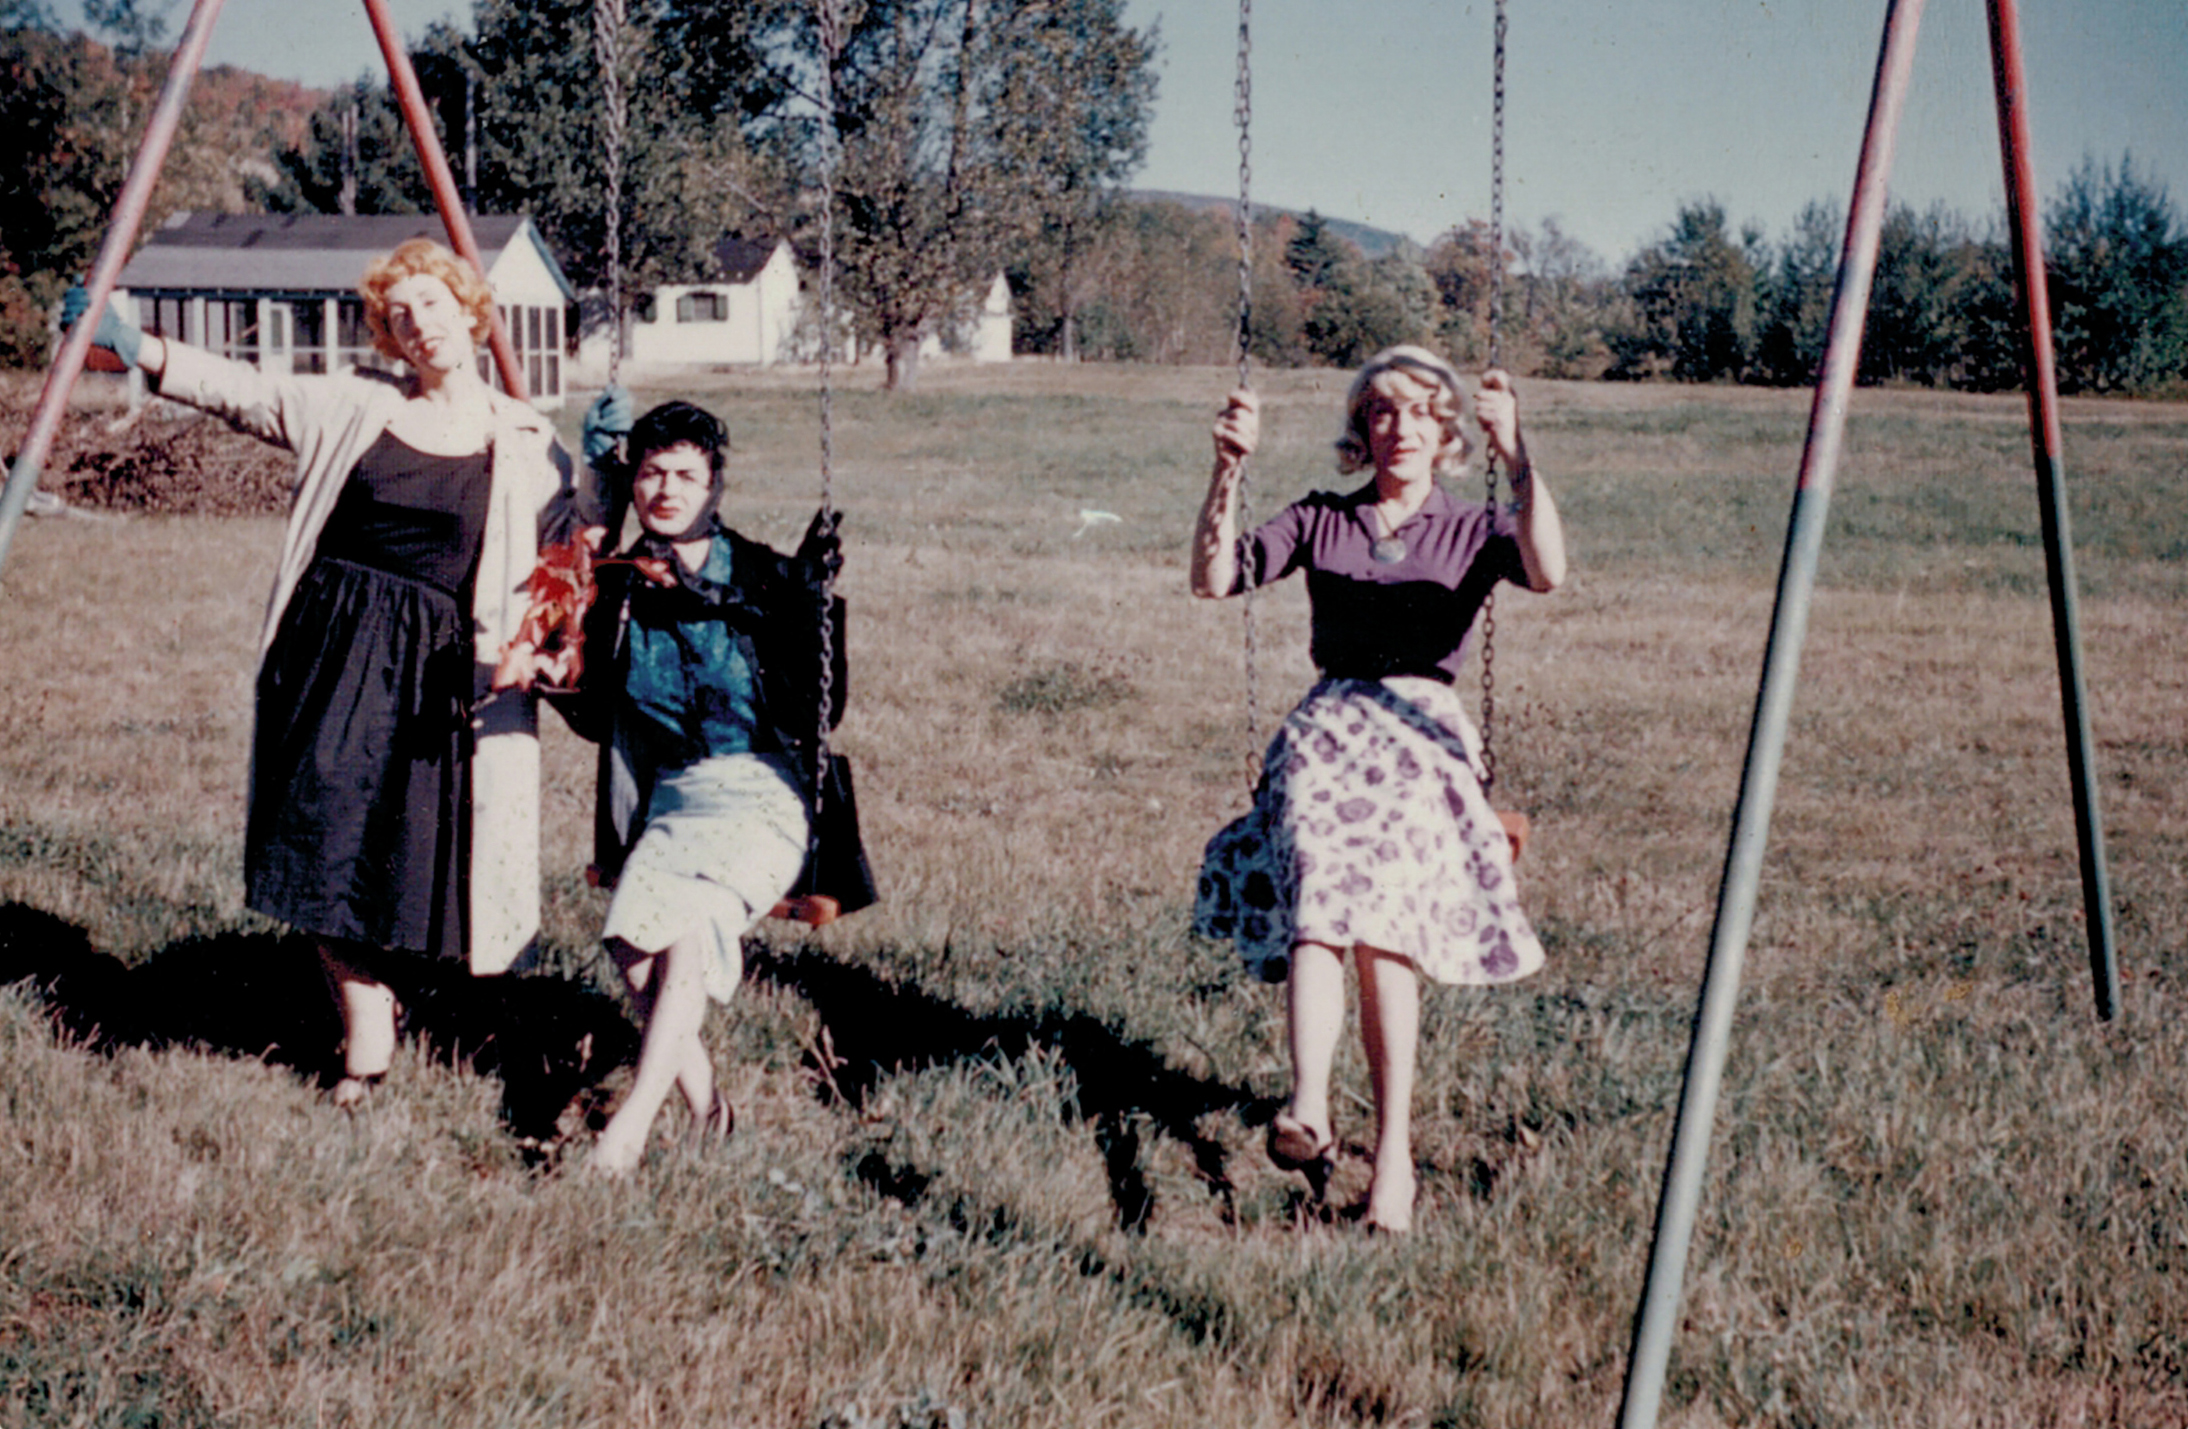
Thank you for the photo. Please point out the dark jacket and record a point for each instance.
(772, 606)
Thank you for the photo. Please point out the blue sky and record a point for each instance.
(1616, 111)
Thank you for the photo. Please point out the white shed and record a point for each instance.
(280, 290)
(990, 337)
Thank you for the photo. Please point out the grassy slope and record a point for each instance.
(998, 1144)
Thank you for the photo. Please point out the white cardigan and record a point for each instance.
(330, 422)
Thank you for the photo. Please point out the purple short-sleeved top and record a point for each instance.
(1372, 619)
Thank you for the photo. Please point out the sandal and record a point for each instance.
(1295, 1146)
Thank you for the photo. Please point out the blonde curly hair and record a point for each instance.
(1406, 371)
(422, 257)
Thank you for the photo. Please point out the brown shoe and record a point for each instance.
(1295, 1146)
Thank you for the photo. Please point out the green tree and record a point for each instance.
(529, 90)
(1796, 298)
(1367, 305)
(1315, 254)
(1459, 265)
(1986, 317)
(1693, 295)
(1556, 307)
(1912, 333)
(355, 156)
(1071, 101)
(949, 161)
(1162, 285)
(2118, 269)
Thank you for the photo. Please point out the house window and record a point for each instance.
(232, 328)
(702, 308)
(353, 340)
(308, 335)
(162, 317)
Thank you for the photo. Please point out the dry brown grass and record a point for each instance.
(998, 1136)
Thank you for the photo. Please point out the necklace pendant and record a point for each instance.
(1389, 550)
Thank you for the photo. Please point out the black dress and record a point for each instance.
(360, 817)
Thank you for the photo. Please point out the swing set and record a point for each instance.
(1658, 1311)
(832, 797)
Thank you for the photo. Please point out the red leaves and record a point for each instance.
(562, 589)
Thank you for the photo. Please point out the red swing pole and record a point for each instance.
(2042, 378)
(114, 250)
(446, 197)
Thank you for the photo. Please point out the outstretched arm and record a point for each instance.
(115, 333)
(1215, 538)
(1541, 533)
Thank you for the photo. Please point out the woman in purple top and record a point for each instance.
(1370, 835)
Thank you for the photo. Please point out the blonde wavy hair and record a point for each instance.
(1401, 373)
(422, 257)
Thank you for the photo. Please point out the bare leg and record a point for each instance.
(695, 1075)
(671, 1053)
(1315, 1015)
(367, 1006)
(1390, 1026)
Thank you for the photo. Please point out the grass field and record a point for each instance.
(998, 1150)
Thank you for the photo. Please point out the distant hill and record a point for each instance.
(1374, 242)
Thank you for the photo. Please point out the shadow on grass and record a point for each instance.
(261, 995)
(874, 1027)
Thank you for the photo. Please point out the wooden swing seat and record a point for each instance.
(814, 910)
(1517, 830)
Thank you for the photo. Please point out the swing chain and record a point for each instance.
(1489, 465)
(608, 16)
(831, 37)
(1242, 110)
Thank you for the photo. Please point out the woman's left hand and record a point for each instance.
(1496, 406)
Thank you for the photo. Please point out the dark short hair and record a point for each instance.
(673, 423)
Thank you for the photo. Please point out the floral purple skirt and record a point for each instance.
(1370, 827)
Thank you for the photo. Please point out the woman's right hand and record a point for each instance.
(115, 333)
(1238, 427)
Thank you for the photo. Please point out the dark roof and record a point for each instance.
(301, 252)
(740, 259)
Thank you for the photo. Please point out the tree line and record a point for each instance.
(971, 137)
(1700, 303)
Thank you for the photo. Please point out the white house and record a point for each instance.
(748, 316)
(280, 290)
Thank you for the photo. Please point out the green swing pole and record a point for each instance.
(2042, 379)
(121, 236)
(1658, 1314)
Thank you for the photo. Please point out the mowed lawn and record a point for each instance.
(998, 1155)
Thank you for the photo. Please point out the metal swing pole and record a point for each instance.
(1658, 1314)
(410, 98)
(2041, 377)
(114, 249)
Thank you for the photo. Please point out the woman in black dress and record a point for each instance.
(393, 809)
